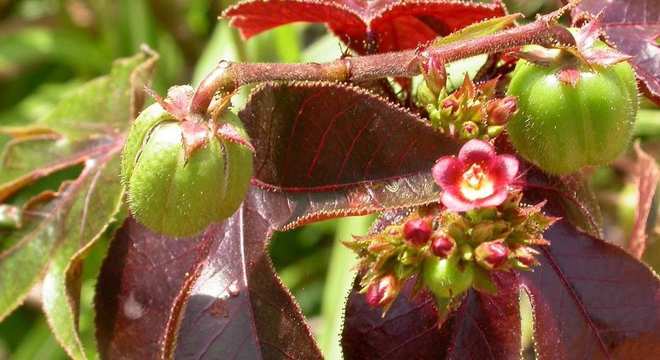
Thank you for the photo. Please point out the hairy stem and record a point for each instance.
(229, 76)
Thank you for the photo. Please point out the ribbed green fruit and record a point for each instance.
(446, 278)
(562, 128)
(176, 195)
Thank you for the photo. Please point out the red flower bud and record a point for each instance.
(499, 111)
(492, 255)
(383, 291)
(433, 69)
(417, 231)
(442, 246)
(526, 256)
(450, 103)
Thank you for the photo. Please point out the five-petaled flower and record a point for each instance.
(478, 177)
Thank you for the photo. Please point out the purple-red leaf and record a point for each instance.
(236, 307)
(340, 150)
(409, 330)
(633, 26)
(483, 326)
(366, 26)
(591, 299)
(214, 296)
(139, 282)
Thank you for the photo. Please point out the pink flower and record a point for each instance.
(478, 177)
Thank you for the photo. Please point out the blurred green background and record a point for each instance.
(48, 47)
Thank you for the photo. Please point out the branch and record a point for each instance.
(229, 76)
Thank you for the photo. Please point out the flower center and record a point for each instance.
(476, 184)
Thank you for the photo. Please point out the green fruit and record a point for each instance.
(177, 194)
(562, 128)
(448, 277)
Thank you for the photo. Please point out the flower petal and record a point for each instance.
(476, 151)
(447, 171)
(503, 169)
(494, 200)
(455, 203)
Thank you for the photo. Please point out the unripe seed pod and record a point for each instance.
(178, 190)
(442, 246)
(417, 231)
(561, 127)
(492, 255)
(448, 277)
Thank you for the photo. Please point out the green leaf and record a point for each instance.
(60, 289)
(83, 122)
(477, 30)
(85, 128)
(105, 105)
(80, 210)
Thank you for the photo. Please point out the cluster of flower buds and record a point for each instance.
(470, 112)
(450, 252)
(479, 226)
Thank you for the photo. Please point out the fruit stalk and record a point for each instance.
(228, 76)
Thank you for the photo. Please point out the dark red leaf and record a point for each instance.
(366, 26)
(340, 150)
(160, 297)
(236, 307)
(591, 299)
(633, 26)
(409, 330)
(139, 281)
(316, 136)
(483, 327)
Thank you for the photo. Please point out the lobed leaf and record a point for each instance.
(366, 26)
(89, 217)
(83, 129)
(70, 217)
(83, 121)
(633, 26)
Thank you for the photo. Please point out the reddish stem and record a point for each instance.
(229, 76)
